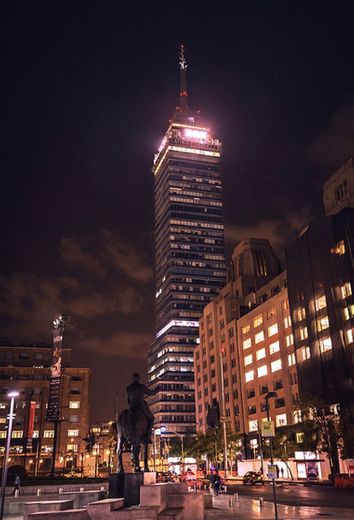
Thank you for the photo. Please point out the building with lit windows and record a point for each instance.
(321, 286)
(246, 347)
(267, 358)
(26, 368)
(189, 257)
(245, 352)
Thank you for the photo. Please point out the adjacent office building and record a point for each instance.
(189, 257)
(321, 285)
(246, 347)
(26, 368)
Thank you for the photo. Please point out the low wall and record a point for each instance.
(15, 506)
(52, 489)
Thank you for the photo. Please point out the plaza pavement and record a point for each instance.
(249, 509)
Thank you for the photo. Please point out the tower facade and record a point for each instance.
(189, 257)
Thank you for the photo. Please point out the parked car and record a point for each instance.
(252, 478)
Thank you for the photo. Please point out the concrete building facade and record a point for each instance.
(26, 368)
(338, 190)
(267, 359)
(246, 351)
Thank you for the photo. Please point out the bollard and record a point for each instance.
(230, 502)
(17, 493)
(236, 497)
(261, 502)
(60, 491)
(225, 489)
(102, 488)
(38, 492)
(81, 489)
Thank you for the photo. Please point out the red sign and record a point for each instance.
(30, 425)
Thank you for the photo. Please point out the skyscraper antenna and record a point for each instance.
(183, 94)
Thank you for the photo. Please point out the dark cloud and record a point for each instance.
(334, 145)
(28, 302)
(120, 344)
(73, 254)
(126, 257)
(109, 251)
(277, 231)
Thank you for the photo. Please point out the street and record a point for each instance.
(299, 495)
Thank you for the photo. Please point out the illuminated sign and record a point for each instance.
(53, 409)
(195, 134)
(267, 429)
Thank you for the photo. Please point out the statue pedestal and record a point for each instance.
(127, 486)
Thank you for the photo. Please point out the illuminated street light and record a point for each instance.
(13, 394)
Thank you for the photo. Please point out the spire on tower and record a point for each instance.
(183, 94)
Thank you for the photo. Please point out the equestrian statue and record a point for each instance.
(134, 426)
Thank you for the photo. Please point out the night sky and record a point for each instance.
(87, 89)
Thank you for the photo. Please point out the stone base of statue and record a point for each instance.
(127, 486)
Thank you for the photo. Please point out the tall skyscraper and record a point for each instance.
(189, 256)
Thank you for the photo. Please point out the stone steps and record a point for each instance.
(172, 513)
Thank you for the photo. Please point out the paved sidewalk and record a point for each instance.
(249, 509)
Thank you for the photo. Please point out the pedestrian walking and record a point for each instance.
(17, 485)
(217, 484)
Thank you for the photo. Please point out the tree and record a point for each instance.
(90, 441)
(210, 444)
(326, 434)
(289, 439)
(346, 427)
(175, 445)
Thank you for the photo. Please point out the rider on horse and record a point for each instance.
(136, 392)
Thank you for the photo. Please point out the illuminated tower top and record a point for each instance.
(187, 131)
(189, 255)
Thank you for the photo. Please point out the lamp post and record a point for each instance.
(11, 416)
(267, 397)
(163, 429)
(154, 444)
(181, 437)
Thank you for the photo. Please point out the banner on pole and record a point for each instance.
(30, 425)
(53, 410)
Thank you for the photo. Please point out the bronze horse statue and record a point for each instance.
(134, 426)
(132, 431)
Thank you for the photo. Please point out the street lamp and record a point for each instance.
(163, 429)
(271, 395)
(181, 437)
(13, 394)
